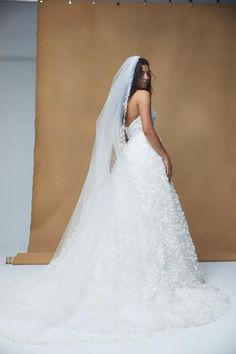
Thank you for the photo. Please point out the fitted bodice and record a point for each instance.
(136, 125)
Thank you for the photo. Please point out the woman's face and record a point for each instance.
(145, 76)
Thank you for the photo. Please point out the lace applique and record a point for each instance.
(122, 131)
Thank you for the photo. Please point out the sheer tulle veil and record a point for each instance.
(109, 140)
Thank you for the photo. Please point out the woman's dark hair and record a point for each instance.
(137, 76)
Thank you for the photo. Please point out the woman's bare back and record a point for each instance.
(132, 109)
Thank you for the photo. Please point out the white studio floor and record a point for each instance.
(218, 337)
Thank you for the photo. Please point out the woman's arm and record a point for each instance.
(144, 103)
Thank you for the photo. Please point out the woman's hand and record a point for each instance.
(168, 166)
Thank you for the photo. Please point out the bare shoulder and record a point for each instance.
(143, 92)
(143, 95)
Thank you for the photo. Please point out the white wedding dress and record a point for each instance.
(130, 270)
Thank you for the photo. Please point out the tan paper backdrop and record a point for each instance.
(192, 52)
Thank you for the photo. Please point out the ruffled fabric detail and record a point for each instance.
(129, 271)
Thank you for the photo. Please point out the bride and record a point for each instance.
(126, 266)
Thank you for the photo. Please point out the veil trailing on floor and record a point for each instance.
(110, 139)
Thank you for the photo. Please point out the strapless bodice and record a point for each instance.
(136, 125)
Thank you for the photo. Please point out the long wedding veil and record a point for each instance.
(109, 137)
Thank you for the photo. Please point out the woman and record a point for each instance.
(126, 266)
(139, 104)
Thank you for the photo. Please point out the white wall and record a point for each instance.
(17, 117)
